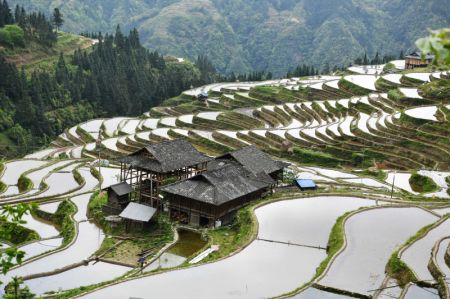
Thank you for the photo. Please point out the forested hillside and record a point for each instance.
(117, 76)
(272, 35)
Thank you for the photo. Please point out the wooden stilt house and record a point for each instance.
(212, 197)
(415, 59)
(155, 165)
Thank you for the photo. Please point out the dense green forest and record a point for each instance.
(271, 35)
(117, 76)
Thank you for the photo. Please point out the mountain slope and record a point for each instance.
(270, 35)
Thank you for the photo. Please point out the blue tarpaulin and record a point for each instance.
(305, 184)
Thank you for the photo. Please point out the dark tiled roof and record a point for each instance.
(165, 156)
(121, 188)
(418, 55)
(138, 212)
(255, 160)
(218, 186)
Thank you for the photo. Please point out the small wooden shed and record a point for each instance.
(118, 198)
(137, 216)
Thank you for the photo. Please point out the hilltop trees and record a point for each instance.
(117, 77)
(20, 28)
(57, 19)
(6, 17)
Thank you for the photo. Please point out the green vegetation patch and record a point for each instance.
(377, 174)
(78, 177)
(231, 238)
(152, 239)
(19, 233)
(398, 270)
(24, 184)
(436, 90)
(62, 218)
(98, 199)
(422, 184)
(12, 36)
(335, 242)
(352, 88)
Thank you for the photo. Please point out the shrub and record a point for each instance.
(2, 187)
(24, 184)
(398, 270)
(78, 177)
(19, 233)
(12, 35)
(420, 183)
(62, 219)
(388, 67)
(98, 199)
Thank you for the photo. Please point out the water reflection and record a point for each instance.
(80, 276)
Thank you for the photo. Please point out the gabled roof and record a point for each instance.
(218, 186)
(165, 156)
(255, 160)
(418, 55)
(138, 212)
(121, 188)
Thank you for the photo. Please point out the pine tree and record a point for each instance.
(365, 59)
(57, 19)
(119, 39)
(61, 73)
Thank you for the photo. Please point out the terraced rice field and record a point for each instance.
(359, 136)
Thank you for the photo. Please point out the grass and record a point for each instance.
(231, 238)
(17, 233)
(438, 90)
(98, 199)
(377, 174)
(396, 268)
(85, 136)
(3, 187)
(152, 238)
(335, 243)
(63, 220)
(422, 184)
(78, 177)
(352, 88)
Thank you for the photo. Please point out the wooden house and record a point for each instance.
(415, 59)
(149, 168)
(212, 197)
(202, 96)
(118, 198)
(254, 160)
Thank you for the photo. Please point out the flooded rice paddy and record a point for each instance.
(246, 274)
(372, 236)
(418, 254)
